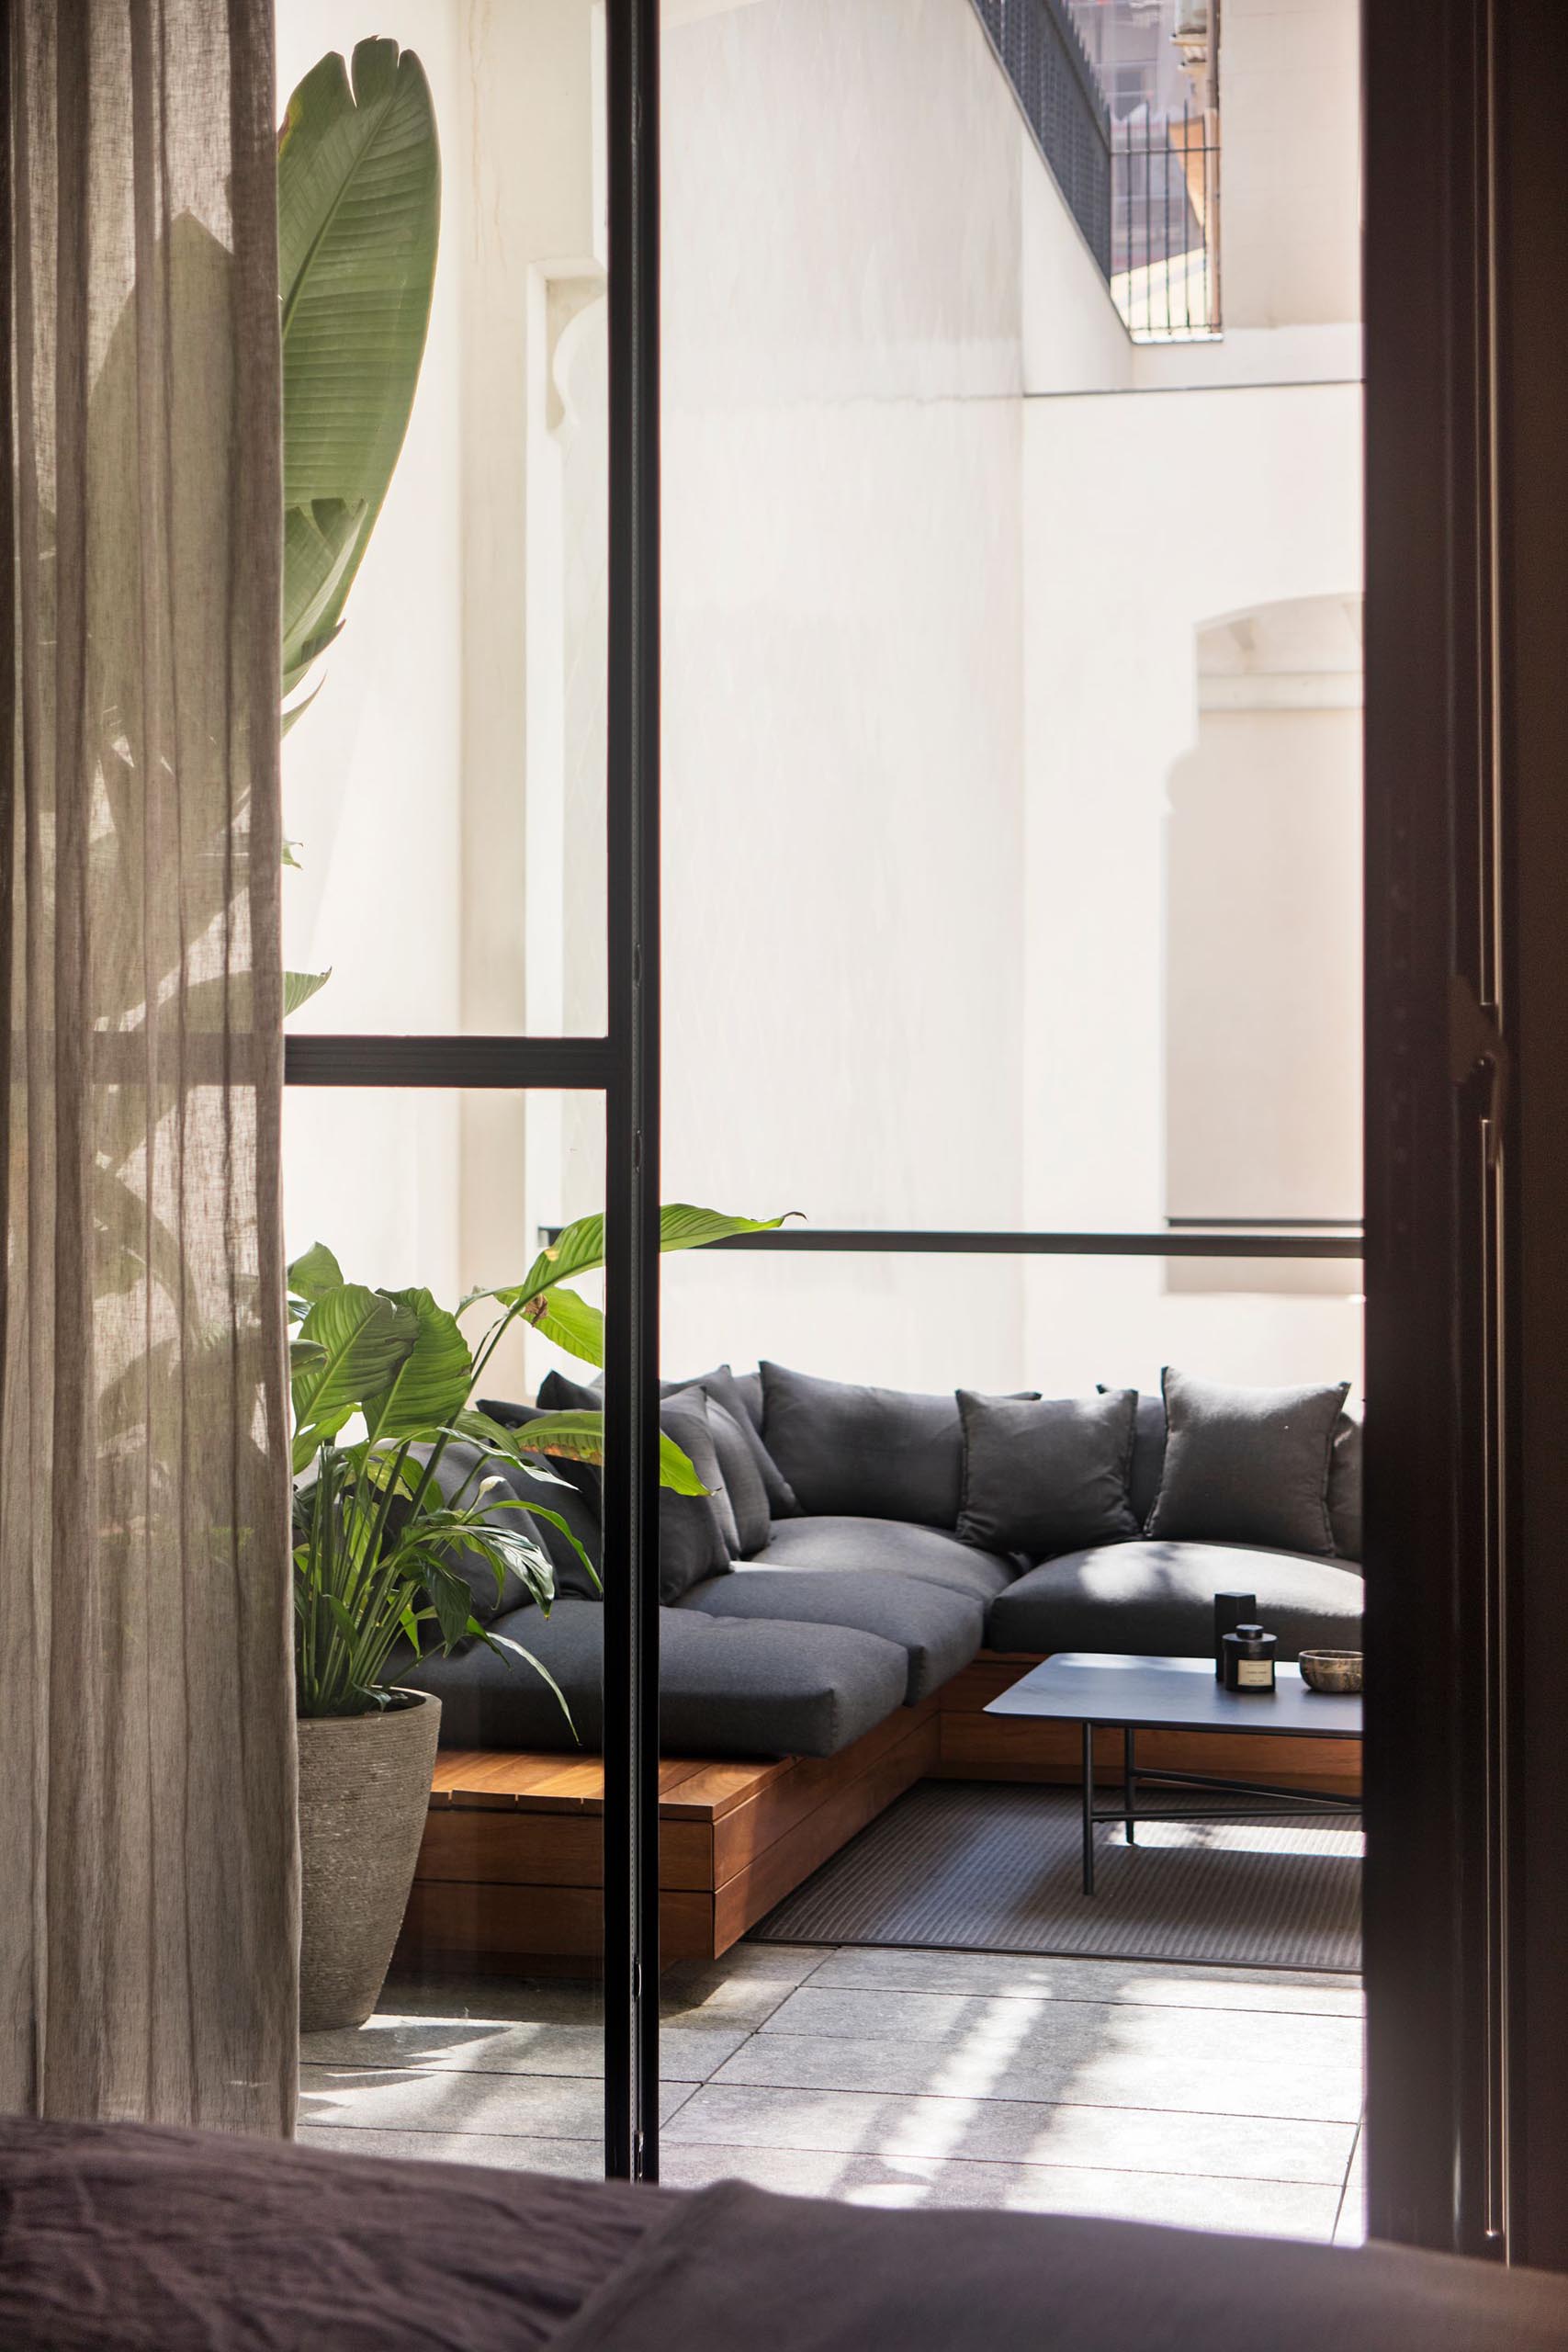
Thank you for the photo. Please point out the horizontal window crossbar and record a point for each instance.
(503, 1062)
(1185, 1243)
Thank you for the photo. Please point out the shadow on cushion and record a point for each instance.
(925, 1554)
(1158, 1599)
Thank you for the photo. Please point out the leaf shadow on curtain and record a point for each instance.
(148, 1958)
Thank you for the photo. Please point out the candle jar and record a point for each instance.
(1230, 1610)
(1249, 1658)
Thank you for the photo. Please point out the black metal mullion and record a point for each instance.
(631, 1284)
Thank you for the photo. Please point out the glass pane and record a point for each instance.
(486, 2045)
(1012, 659)
(1001, 1324)
(445, 786)
(1012, 685)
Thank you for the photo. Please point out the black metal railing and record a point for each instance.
(1144, 190)
(1040, 53)
(1165, 275)
(1228, 1239)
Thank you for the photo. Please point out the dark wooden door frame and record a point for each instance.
(1467, 1124)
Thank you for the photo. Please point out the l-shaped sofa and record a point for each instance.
(867, 1570)
(834, 1574)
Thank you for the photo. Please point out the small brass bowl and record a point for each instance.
(1336, 1670)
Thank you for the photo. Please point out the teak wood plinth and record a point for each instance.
(510, 1878)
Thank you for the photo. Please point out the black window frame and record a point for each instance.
(623, 1067)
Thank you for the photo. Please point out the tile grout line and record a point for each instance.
(794, 2147)
(1002, 2098)
(829, 2090)
(1050, 2008)
(1077, 2001)
(1007, 2164)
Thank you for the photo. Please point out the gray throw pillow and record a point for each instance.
(1047, 1475)
(1148, 1455)
(723, 1388)
(1345, 1485)
(854, 1453)
(738, 1467)
(1246, 1465)
(697, 1535)
(575, 1500)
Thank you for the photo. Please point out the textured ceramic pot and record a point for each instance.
(364, 1795)
(1336, 1670)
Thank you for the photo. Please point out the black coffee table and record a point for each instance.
(1098, 1688)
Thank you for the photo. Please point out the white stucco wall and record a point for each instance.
(938, 546)
(852, 216)
(1271, 511)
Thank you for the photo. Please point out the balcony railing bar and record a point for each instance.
(576, 1063)
(1185, 1241)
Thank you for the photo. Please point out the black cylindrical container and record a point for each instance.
(1230, 1610)
(1249, 1659)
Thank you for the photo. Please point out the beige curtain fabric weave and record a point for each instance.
(149, 1905)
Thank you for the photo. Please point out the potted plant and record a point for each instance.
(385, 1546)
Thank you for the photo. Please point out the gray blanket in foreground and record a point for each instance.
(732, 2269)
(118, 2239)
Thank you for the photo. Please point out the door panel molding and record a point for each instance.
(1466, 1126)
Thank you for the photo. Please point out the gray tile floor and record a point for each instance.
(1218, 2097)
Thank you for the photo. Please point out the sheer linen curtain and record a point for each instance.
(149, 1903)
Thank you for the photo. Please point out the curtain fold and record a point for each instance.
(148, 1864)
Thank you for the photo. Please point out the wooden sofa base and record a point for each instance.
(510, 1877)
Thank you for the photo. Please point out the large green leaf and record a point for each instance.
(315, 1273)
(432, 1382)
(299, 988)
(359, 220)
(320, 544)
(569, 1322)
(680, 1226)
(580, 1437)
(349, 1347)
(579, 1248)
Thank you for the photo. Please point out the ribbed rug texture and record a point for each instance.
(973, 1866)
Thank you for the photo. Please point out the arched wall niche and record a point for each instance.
(1263, 965)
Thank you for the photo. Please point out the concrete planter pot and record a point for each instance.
(364, 1795)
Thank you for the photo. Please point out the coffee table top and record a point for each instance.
(1171, 1693)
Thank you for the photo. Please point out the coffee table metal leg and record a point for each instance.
(1088, 1808)
(1130, 1778)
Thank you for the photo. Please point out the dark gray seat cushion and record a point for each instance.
(938, 1630)
(727, 1686)
(1159, 1599)
(924, 1555)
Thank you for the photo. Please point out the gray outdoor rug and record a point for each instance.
(978, 1866)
